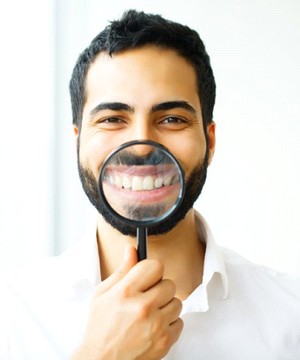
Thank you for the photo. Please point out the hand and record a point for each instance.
(133, 315)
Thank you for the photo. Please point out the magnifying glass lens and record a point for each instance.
(141, 182)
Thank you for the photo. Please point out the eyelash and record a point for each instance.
(111, 119)
(174, 120)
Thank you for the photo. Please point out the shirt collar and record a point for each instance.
(82, 268)
(214, 270)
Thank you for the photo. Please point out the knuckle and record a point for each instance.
(157, 326)
(180, 325)
(178, 304)
(164, 341)
(177, 329)
(125, 292)
(170, 286)
(143, 311)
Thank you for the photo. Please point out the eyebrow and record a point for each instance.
(168, 105)
(114, 106)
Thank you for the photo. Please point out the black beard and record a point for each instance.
(194, 186)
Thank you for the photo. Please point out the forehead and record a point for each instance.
(141, 72)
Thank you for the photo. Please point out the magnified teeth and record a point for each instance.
(175, 179)
(167, 181)
(148, 183)
(111, 180)
(137, 183)
(118, 181)
(158, 183)
(126, 182)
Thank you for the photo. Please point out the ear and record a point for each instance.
(211, 134)
(76, 138)
(76, 131)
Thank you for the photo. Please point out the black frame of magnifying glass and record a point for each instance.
(150, 222)
(142, 225)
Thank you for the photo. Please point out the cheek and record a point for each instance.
(93, 152)
(190, 152)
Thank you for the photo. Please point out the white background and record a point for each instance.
(252, 197)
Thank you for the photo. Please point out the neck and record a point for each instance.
(181, 255)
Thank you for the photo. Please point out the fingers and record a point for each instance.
(144, 275)
(175, 330)
(168, 327)
(172, 310)
(145, 317)
(162, 293)
(128, 261)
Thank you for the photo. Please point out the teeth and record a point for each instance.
(118, 181)
(148, 183)
(112, 180)
(126, 182)
(175, 179)
(158, 183)
(137, 183)
(167, 181)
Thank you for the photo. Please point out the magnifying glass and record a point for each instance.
(141, 183)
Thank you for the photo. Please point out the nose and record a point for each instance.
(143, 129)
(143, 149)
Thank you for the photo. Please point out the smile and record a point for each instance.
(139, 183)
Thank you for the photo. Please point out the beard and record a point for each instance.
(194, 186)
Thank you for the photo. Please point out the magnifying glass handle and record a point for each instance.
(142, 243)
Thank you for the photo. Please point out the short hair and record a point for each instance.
(136, 29)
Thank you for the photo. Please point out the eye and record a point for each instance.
(111, 123)
(173, 123)
(111, 120)
(173, 120)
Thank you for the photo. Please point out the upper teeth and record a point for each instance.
(142, 182)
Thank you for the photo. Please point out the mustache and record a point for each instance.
(155, 157)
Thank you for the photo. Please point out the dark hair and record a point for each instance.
(136, 29)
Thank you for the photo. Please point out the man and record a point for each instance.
(146, 78)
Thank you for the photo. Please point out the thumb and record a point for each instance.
(129, 260)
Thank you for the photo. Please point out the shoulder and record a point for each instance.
(247, 277)
(266, 301)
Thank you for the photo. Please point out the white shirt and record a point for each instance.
(241, 311)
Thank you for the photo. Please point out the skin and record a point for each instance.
(144, 298)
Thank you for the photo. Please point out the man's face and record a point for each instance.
(143, 94)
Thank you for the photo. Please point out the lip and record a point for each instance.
(141, 170)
